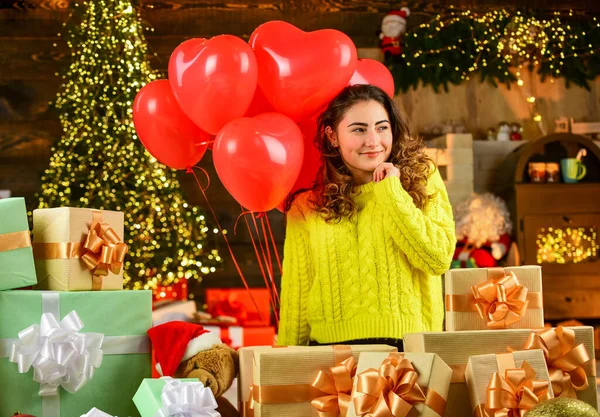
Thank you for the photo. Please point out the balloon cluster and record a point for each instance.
(255, 102)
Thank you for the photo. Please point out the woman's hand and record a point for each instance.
(385, 170)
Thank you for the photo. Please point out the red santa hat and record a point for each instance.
(397, 15)
(177, 341)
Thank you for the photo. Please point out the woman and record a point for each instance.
(365, 249)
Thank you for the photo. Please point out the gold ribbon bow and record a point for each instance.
(392, 390)
(337, 383)
(565, 360)
(501, 302)
(513, 394)
(103, 250)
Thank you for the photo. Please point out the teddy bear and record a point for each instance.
(393, 27)
(188, 350)
(483, 230)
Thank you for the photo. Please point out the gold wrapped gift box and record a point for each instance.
(78, 249)
(416, 385)
(507, 381)
(494, 298)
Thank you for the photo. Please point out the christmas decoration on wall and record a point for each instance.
(100, 163)
(498, 45)
(393, 27)
(483, 228)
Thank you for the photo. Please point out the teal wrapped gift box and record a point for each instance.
(17, 267)
(122, 319)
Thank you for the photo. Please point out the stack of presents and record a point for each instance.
(70, 348)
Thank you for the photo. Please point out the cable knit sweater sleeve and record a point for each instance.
(295, 281)
(426, 237)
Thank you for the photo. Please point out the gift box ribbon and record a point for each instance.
(512, 391)
(102, 251)
(94, 412)
(500, 301)
(16, 240)
(566, 362)
(392, 390)
(187, 399)
(110, 345)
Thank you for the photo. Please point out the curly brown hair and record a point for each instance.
(335, 186)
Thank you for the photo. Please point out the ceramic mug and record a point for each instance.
(572, 170)
(552, 172)
(537, 171)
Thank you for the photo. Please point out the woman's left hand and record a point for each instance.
(385, 170)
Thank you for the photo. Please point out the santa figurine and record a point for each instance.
(393, 26)
(483, 230)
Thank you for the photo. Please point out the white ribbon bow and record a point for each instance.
(94, 412)
(58, 353)
(187, 399)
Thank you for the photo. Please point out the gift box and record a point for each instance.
(248, 307)
(174, 311)
(238, 336)
(177, 291)
(112, 344)
(507, 382)
(78, 249)
(455, 348)
(16, 256)
(295, 381)
(421, 380)
(175, 397)
(494, 298)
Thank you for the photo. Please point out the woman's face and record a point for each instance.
(364, 137)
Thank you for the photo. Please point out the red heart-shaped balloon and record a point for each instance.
(164, 129)
(258, 159)
(369, 71)
(214, 80)
(300, 72)
(311, 163)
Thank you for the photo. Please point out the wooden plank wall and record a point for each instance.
(32, 54)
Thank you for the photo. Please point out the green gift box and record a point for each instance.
(148, 398)
(121, 317)
(17, 268)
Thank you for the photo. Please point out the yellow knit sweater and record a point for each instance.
(376, 275)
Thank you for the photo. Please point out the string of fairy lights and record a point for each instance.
(500, 46)
(567, 245)
(100, 163)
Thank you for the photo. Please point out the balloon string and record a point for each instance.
(243, 213)
(268, 268)
(262, 268)
(264, 229)
(274, 246)
(237, 267)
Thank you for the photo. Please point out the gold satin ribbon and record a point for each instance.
(566, 362)
(500, 301)
(101, 251)
(337, 383)
(16, 240)
(392, 390)
(512, 391)
(465, 303)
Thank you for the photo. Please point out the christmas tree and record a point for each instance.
(99, 161)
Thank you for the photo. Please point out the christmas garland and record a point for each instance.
(453, 46)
